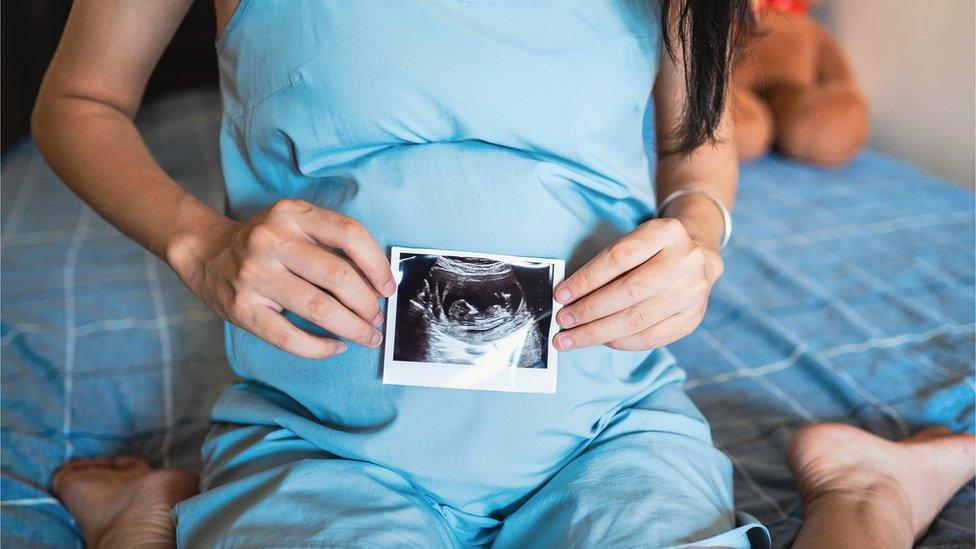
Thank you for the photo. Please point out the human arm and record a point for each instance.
(651, 287)
(247, 272)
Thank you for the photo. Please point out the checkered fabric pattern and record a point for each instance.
(848, 296)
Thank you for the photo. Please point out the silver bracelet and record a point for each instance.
(726, 217)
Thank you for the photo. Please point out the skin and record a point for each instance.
(247, 272)
(646, 290)
(285, 257)
(651, 287)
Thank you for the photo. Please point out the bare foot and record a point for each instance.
(894, 488)
(122, 502)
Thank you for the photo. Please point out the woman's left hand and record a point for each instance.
(648, 289)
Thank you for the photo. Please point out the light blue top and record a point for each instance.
(511, 127)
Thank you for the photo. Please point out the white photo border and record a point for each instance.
(465, 376)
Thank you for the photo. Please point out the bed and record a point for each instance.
(848, 296)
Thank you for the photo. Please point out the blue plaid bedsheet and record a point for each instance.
(848, 296)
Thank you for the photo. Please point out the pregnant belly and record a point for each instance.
(470, 197)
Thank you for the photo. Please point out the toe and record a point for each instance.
(930, 433)
(70, 468)
(87, 463)
(57, 481)
(130, 462)
(78, 464)
(77, 468)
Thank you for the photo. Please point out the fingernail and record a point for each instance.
(389, 288)
(340, 347)
(376, 339)
(378, 319)
(564, 343)
(566, 320)
(563, 295)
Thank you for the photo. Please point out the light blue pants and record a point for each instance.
(629, 487)
(517, 128)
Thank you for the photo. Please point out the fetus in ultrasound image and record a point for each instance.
(473, 311)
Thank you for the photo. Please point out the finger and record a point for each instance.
(618, 258)
(333, 274)
(343, 232)
(640, 284)
(277, 330)
(629, 321)
(320, 308)
(663, 333)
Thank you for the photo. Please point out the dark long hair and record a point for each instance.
(710, 34)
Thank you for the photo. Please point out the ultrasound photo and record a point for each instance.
(468, 320)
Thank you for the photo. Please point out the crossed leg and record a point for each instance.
(858, 490)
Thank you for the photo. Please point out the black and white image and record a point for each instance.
(472, 320)
(472, 310)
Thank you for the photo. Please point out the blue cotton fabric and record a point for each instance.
(506, 127)
(848, 296)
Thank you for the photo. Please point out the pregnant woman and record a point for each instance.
(513, 127)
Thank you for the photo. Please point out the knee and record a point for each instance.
(824, 126)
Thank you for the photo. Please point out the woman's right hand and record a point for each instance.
(286, 258)
(283, 258)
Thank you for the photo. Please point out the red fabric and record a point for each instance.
(786, 6)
